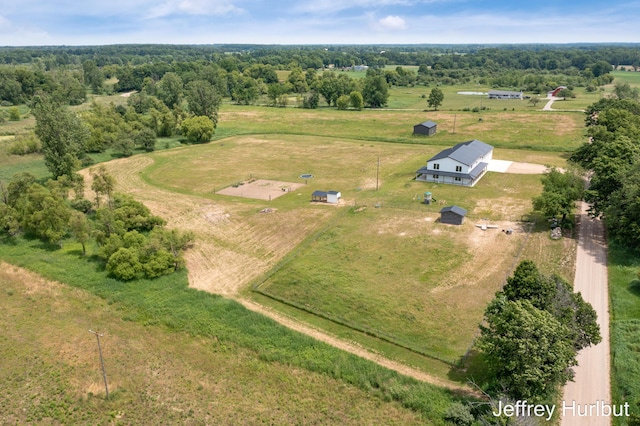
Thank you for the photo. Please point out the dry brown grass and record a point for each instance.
(51, 371)
(234, 242)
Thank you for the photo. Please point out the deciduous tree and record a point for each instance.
(203, 99)
(436, 97)
(62, 134)
(560, 193)
(198, 129)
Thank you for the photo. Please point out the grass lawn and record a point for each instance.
(625, 327)
(532, 130)
(398, 250)
(174, 355)
(633, 78)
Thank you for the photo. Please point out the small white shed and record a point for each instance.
(333, 197)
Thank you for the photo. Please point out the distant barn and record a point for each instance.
(428, 128)
(453, 215)
(504, 94)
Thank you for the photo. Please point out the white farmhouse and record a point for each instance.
(463, 164)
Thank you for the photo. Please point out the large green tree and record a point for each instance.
(198, 129)
(375, 91)
(560, 192)
(203, 99)
(170, 89)
(534, 328)
(45, 214)
(527, 348)
(436, 97)
(62, 134)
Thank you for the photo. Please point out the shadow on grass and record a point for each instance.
(634, 287)
(472, 369)
(9, 240)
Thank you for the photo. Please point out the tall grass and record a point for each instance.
(624, 290)
(169, 302)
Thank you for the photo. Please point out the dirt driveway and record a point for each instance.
(592, 382)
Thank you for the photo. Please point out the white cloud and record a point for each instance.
(392, 23)
(333, 6)
(194, 7)
(12, 34)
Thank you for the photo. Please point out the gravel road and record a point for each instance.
(591, 384)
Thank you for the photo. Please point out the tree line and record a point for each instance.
(245, 72)
(611, 155)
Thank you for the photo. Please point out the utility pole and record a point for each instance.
(104, 373)
(378, 173)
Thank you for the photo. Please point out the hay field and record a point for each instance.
(401, 273)
(393, 269)
(51, 370)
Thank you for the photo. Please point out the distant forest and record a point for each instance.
(243, 72)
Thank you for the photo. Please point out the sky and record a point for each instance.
(92, 22)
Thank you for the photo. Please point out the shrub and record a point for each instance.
(25, 144)
(459, 414)
(14, 114)
(124, 264)
(198, 129)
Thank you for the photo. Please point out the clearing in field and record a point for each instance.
(392, 269)
(260, 189)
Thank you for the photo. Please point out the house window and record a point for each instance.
(436, 166)
(458, 179)
(436, 176)
(458, 168)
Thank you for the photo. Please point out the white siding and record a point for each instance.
(448, 165)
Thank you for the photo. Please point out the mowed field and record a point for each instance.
(393, 270)
(380, 262)
(51, 370)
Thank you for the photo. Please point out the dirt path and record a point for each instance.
(225, 268)
(550, 102)
(354, 348)
(591, 383)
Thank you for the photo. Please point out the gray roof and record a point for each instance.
(504, 92)
(333, 192)
(427, 124)
(319, 194)
(454, 209)
(466, 152)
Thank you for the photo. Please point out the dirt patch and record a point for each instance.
(261, 189)
(526, 169)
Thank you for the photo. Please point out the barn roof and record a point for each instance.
(466, 152)
(319, 193)
(428, 124)
(454, 209)
(503, 92)
(333, 192)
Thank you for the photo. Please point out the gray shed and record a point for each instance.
(452, 215)
(428, 128)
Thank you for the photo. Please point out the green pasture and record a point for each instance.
(624, 288)
(532, 130)
(395, 272)
(356, 254)
(193, 345)
(633, 78)
(348, 166)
